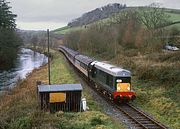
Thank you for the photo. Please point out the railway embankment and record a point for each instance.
(19, 107)
(156, 82)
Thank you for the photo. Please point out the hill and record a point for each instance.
(101, 15)
(134, 39)
(97, 14)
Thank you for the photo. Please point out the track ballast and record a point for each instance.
(134, 116)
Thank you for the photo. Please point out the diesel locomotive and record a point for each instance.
(113, 81)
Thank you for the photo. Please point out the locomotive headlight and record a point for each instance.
(119, 80)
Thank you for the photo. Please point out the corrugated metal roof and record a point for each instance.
(62, 87)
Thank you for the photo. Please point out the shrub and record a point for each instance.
(163, 74)
(21, 123)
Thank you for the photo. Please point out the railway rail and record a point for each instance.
(134, 116)
(138, 118)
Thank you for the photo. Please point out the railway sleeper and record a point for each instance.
(145, 121)
(138, 127)
(151, 126)
(141, 117)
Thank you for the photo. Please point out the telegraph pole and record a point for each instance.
(49, 75)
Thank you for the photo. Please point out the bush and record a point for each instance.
(165, 56)
(131, 52)
(164, 74)
(21, 123)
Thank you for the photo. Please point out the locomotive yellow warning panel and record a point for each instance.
(57, 97)
(123, 87)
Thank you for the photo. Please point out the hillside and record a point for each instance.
(91, 17)
(134, 39)
(97, 14)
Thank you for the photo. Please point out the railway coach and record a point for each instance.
(112, 81)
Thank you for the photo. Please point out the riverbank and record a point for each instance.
(19, 110)
(26, 61)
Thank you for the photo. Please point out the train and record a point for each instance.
(112, 81)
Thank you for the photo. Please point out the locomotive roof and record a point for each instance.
(85, 59)
(113, 70)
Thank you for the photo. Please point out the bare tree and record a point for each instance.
(153, 16)
(34, 41)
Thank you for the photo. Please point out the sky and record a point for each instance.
(53, 14)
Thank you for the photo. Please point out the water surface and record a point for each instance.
(26, 61)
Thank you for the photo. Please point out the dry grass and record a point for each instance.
(22, 101)
(156, 78)
(19, 108)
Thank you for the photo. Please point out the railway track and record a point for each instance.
(134, 116)
(138, 118)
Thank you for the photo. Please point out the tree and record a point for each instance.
(34, 41)
(7, 18)
(9, 39)
(153, 16)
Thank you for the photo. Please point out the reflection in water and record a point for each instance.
(27, 61)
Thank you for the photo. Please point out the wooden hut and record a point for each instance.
(64, 97)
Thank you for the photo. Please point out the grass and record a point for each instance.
(61, 29)
(66, 30)
(173, 26)
(156, 78)
(156, 99)
(174, 16)
(19, 109)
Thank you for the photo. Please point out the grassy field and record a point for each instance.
(66, 29)
(156, 74)
(174, 15)
(156, 78)
(19, 109)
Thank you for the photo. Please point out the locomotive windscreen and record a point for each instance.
(123, 79)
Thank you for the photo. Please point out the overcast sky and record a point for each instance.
(52, 14)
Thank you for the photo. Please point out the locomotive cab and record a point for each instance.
(116, 81)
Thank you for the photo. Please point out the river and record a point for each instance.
(26, 61)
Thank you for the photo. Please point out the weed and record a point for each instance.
(21, 123)
(96, 121)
